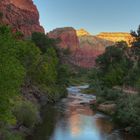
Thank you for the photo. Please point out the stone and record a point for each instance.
(107, 108)
(82, 32)
(85, 48)
(116, 36)
(21, 15)
(67, 36)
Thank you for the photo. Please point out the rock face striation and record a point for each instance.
(84, 47)
(67, 37)
(82, 32)
(90, 47)
(21, 15)
(116, 36)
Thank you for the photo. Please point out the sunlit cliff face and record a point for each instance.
(24, 4)
(82, 32)
(116, 36)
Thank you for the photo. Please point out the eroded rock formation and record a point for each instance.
(90, 47)
(84, 47)
(67, 37)
(21, 15)
(116, 36)
(82, 32)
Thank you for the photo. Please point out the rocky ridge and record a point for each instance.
(116, 36)
(84, 47)
(67, 37)
(82, 32)
(21, 15)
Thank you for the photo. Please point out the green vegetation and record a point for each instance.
(1, 15)
(117, 72)
(22, 111)
(79, 76)
(128, 112)
(25, 64)
(7, 135)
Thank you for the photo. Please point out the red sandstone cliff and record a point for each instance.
(21, 15)
(67, 37)
(85, 47)
(90, 47)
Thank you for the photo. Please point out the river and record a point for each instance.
(73, 119)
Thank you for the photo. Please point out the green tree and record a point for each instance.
(128, 112)
(42, 41)
(11, 73)
(114, 64)
(136, 36)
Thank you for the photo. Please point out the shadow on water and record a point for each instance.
(73, 119)
(44, 130)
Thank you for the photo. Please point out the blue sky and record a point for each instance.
(93, 15)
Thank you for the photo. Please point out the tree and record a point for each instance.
(128, 112)
(11, 73)
(42, 41)
(136, 36)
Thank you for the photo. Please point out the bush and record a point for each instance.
(63, 75)
(42, 41)
(1, 15)
(128, 112)
(7, 135)
(23, 63)
(11, 73)
(26, 114)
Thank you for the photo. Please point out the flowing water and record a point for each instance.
(73, 119)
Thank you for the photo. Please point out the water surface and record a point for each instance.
(73, 119)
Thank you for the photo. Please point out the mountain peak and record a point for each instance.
(82, 32)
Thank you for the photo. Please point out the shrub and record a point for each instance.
(1, 15)
(11, 73)
(7, 135)
(26, 114)
(43, 41)
(128, 112)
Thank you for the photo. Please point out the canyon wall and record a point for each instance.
(21, 15)
(90, 47)
(67, 37)
(82, 32)
(116, 36)
(84, 47)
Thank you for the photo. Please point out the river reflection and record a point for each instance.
(81, 123)
(73, 119)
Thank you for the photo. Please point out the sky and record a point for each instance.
(95, 16)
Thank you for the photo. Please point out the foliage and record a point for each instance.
(136, 35)
(1, 15)
(8, 135)
(22, 62)
(42, 41)
(114, 65)
(11, 71)
(128, 112)
(120, 66)
(26, 113)
(50, 74)
(63, 75)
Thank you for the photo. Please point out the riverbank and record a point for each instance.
(31, 76)
(117, 104)
(72, 118)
